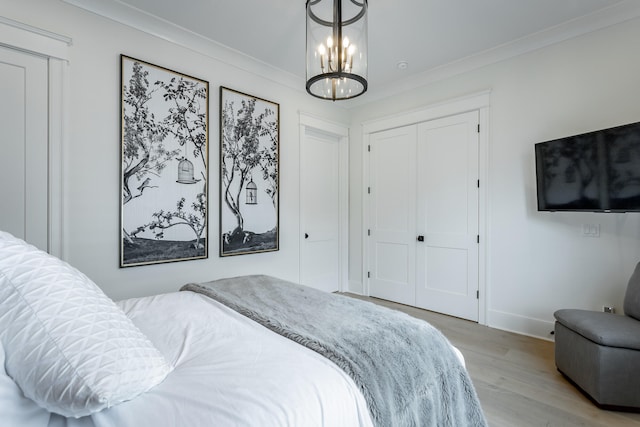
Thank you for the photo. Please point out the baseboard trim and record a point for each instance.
(497, 319)
(522, 325)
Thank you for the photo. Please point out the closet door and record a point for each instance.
(392, 210)
(24, 142)
(447, 211)
(320, 208)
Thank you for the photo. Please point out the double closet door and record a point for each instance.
(423, 215)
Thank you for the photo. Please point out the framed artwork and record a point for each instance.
(249, 174)
(164, 159)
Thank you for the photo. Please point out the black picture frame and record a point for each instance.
(164, 165)
(249, 174)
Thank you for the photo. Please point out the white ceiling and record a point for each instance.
(431, 35)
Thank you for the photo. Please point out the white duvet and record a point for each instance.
(229, 371)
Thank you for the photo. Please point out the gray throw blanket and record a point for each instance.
(404, 367)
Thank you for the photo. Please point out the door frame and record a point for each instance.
(479, 101)
(56, 49)
(341, 133)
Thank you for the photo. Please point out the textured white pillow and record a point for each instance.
(68, 346)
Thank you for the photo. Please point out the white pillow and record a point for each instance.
(68, 346)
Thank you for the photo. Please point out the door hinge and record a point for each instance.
(368, 274)
(477, 294)
(369, 232)
(478, 238)
(369, 148)
(478, 127)
(369, 190)
(478, 183)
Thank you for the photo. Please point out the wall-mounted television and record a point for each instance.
(592, 172)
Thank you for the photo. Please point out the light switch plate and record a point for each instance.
(591, 230)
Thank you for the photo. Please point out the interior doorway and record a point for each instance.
(24, 141)
(33, 67)
(424, 204)
(323, 204)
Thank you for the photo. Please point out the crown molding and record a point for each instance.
(135, 18)
(143, 21)
(612, 15)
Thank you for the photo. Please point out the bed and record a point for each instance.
(72, 357)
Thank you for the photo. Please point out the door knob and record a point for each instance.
(420, 239)
(306, 236)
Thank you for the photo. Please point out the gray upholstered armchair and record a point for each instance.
(600, 352)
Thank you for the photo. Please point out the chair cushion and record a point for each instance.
(632, 297)
(606, 329)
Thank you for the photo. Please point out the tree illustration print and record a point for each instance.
(249, 157)
(165, 118)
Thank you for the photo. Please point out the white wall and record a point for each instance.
(92, 150)
(537, 262)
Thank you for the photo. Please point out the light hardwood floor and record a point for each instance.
(515, 376)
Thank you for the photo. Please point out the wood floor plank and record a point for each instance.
(515, 376)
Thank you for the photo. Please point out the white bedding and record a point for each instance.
(229, 371)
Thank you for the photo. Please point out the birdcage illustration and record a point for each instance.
(252, 193)
(185, 170)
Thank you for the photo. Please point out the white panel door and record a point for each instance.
(24, 144)
(392, 169)
(320, 207)
(447, 188)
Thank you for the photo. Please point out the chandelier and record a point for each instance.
(336, 48)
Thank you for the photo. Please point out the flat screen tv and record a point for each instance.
(592, 172)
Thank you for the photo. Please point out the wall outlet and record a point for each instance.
(591, 230)
(608, 309)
